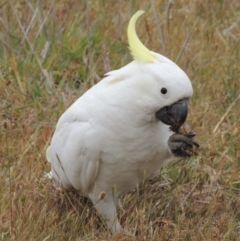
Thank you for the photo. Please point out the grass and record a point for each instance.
(51, 52)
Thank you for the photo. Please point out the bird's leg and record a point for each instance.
(182, 145)
(107, 209)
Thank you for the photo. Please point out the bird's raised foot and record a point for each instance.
(183, 145)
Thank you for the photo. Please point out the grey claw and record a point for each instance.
(182, 145)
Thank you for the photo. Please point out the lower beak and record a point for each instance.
(174, 115)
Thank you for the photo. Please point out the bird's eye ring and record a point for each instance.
(164, 91)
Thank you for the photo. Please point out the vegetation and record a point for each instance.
(53, 51)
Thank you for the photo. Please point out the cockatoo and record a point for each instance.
(116, 135)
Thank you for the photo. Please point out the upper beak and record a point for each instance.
(174, 115)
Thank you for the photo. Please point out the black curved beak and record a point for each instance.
(174, 115)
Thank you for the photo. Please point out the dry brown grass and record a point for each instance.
(194, 199)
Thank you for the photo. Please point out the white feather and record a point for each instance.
(109, 139)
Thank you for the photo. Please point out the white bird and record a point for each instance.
(116, 135)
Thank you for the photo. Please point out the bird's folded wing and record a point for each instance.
(74, 155)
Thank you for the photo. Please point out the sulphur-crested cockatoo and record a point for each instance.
(117, 133)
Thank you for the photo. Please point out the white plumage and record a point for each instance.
(110, 139)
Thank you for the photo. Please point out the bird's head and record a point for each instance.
(164, 86)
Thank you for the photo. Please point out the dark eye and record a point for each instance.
(164, 91)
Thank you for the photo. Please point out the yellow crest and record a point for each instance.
(138, 50)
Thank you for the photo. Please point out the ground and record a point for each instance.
(51, 52)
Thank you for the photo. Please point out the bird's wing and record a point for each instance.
(74, 152)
